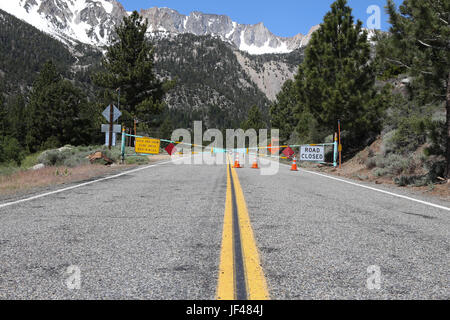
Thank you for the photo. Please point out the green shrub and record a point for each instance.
(11, 150)
(410, 134)
(8, 169)
(50, 143)
(140, 160)
(51, 158)
(436, 168)
(438, 138)
(30, 160)
(381, 172)
(75, 161)
(387, 145)
(417, 181)
(393, 164)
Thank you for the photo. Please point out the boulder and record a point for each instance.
(38, 166)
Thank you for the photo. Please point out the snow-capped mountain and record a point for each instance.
(255, 39)
(87, 21)
(93, 21)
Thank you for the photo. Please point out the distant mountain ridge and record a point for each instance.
(254, 39)
(93, 21)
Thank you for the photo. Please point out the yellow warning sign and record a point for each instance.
(147, 146)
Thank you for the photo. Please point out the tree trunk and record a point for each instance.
(448, 127)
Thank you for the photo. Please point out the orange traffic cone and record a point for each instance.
(255, 164)
(294, 165)
(236, 162)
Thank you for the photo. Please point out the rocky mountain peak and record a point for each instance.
(93, 22)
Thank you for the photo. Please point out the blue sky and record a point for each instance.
(283, 17)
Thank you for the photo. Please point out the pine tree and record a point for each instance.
(38, 125)
(128, 66)
(166, 129)
(336, 80)
(421, 45)
(3, 116)
(282, 111)
(16, 118)
(53, 114)
(254, 120)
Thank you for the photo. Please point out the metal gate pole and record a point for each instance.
(123, 145)
(335, 151)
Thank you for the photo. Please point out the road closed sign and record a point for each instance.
(312, 153)
(147, 146)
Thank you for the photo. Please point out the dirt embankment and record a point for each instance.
(357, 168)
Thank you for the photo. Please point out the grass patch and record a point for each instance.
(8, 169)
(139, 160)
(27, 179)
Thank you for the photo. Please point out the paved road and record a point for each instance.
(158, 234)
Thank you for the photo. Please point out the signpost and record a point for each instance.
(312, 153)
(117, 128)
(147, 146)
(111, 114)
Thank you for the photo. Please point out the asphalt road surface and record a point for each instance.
(180, 231)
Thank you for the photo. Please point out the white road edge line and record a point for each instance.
(374, 189)
(4, 205)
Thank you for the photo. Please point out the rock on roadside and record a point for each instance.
(38, 166)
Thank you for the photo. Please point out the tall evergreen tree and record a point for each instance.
(254, 120)
(421, 45)
(53, 114)
(128, 66)
(16, 118)
(3, 116)
(282, 111)
(336, 80)
(166, 129)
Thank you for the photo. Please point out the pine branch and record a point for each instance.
(398, 62)
(401, 64)
(429, 45)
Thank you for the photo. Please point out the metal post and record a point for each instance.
(123, 145)
(118, 100)
(335, 151)
(134, 138)
(111, 125)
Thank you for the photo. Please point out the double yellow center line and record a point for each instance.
(240, 273)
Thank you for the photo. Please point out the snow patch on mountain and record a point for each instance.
(264, 49)
(28, 13)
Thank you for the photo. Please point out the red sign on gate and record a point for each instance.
(171, 149)
(288, 152)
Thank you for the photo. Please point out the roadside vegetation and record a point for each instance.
(63, 165)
